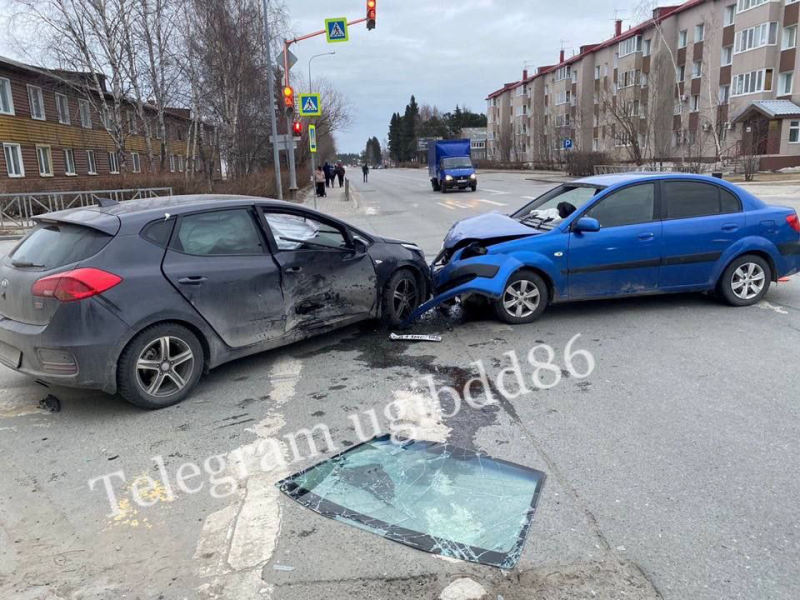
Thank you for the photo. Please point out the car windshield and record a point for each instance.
(460, 162)
(552, 207)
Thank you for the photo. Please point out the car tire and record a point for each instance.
(473, 187)
(524, 298)
(745, 281)
(149, 373)
(435, 185)
(402, 295)
(443, 187)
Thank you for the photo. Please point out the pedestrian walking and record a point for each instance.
(328, 170)
(319, 180)
(340, 174)
(365, 171)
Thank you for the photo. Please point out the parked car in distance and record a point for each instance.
(450, 166)
(144, 296)
(619, 235)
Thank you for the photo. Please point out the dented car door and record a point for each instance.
(326, 276)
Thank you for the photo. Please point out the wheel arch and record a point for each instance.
(763, 254)
(548, 281)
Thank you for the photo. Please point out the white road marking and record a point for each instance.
(446, 205)
(459, 204)
(243, 535)
(495, 192)
(769, 306)
(492, 202)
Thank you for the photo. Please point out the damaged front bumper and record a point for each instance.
(485, 275)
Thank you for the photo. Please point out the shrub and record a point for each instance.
(583, 163)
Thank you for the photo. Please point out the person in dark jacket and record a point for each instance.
(328, 170)
(340, 173)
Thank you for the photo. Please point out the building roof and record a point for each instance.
(663, 13)
(772, 109)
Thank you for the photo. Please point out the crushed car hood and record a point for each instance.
(488, 226)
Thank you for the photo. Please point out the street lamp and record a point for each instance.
(311, 89)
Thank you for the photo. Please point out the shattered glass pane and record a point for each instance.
(433, 497)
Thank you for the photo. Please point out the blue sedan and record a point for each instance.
(619, 235)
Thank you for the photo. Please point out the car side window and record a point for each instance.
(221, 232)
(728, 203)
(630, 205)
(298, 232)
(686, 199)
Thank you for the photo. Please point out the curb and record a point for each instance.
(8, 238)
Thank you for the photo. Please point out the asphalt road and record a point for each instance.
(671, 468)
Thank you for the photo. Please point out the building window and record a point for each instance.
(724, 94)
(90, 160)
(45, 159)
(645, 79)
(597, 72)
(683, 37)
(62, 106)
(136, 163)
(681, 73)
(563, 73)
(131, 121)
(37, 102)
(752, 82)
(6, 99)
(697, 69)
(730, 15)
(85, 111)
(789, 38)
(646, 47)
(794, 132)
(744, 5)
(13, 154)
(695, 103)
(727, 56)
(563, 97)
(171, 163)
(629, 46)
(699, 33)
(678, 107)
(180, 156)
(69, 161)
(113, 163)
(759, 36)
(786, 83)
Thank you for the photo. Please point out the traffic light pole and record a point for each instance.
(290, 140)
(273, 120)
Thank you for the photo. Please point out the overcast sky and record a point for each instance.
(445, 52)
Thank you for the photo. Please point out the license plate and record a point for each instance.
(10, 356)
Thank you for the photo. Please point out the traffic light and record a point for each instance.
(371, 12)
(297, 129)
(288, 99)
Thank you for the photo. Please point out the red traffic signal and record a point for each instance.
(288, 97)
(371, 12)
(297, 129)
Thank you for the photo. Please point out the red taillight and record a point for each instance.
(75, 285)
(793, 222)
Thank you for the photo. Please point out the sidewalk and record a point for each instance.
(335, 203)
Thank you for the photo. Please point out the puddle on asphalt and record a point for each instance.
(433, 497)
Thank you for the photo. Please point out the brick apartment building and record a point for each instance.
(53, 137)
(705, 80)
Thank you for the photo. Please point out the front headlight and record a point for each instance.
(448, 178)
(473, 176)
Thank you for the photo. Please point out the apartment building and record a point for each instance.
(54, 138)
(702, 81)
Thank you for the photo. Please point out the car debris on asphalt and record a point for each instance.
(431, 496)
(50, 404)
(414, 337)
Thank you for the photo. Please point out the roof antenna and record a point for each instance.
(104, 202)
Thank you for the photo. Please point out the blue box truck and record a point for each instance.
(450, 166)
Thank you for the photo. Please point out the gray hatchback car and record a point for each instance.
(144, 296)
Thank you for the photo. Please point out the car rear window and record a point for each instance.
(57, 244)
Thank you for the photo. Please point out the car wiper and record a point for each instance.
(25, 263)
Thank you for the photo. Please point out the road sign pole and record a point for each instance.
(290, 154)
(273, 120)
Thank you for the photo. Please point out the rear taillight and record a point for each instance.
(793, 222)
(75, 285)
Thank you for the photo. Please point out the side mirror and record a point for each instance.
(586, 225)
(359, 247)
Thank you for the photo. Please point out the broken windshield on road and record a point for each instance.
(552, 207)
(433, 497)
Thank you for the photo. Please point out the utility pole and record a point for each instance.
(311, 89)
(272, 118)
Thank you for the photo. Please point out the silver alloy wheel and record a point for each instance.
(521, 298)
(748, 280)
(405, 297)
(165, 366)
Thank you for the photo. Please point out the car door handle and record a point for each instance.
(730, 227)
(293, 269)
(192, 280)
(646, 236)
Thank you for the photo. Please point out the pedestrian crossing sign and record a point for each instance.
(310, 105)
(336, 30)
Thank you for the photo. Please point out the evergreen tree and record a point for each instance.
(394, 137)
(408, 136)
